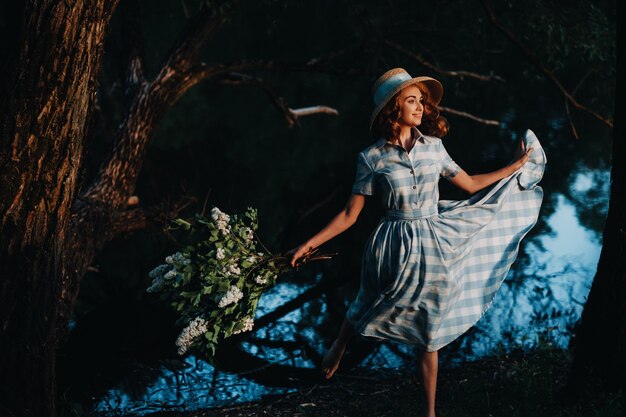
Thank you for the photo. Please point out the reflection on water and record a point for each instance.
(192, 383)
(195, 384)
(539, 302)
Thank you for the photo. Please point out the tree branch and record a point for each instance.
(204, 71)
(126, 221)
(291, 115)
(310, 294)
(567, 110)
(532, 58)
(469, 116)
(118, 174)
(131, 27)
(438, 70)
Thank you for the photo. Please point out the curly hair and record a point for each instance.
(386, 123)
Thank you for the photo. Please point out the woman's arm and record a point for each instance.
(474, 183)
(341, 222)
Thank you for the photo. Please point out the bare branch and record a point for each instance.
(322, 64)
(469, 116)
(185, 8)
(118, 174)
(132, 32)
(433, 67)
(279, 102)
(307, 111)
(175, 73)
(126, 221)
(291, 115)
(567, 109)
(571, 122)
(532, 58)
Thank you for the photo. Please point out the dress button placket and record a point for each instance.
(412, 171)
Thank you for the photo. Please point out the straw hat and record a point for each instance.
(394, 80)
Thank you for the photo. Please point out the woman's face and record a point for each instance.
(411, 104)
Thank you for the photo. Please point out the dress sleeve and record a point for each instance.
(364, 181)
(449, 167)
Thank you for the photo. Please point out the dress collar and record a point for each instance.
(414, 132)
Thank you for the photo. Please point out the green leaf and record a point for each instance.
(202, 220)
(185, 224)
(196, 299)
(227, 330)
(186, 278)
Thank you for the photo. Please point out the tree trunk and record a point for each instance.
(48, 232)
(48, 93)
(600, 340)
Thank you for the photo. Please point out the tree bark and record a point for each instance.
(600, 340)
(50, 90)
(48, 233)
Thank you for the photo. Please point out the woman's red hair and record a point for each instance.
(386, 123)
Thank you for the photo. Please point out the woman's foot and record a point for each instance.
(331, 360)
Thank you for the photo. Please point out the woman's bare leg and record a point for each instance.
(429, 366)
(334, 354)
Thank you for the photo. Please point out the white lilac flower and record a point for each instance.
(218, 215)
(260, 280)
(177, 258)
(223, 228)
(221, 220)
(221, 253)
(251, 259)
(260, 254)
(157, 284)
(159, 278)
(158, 271)
(233, 295)
(231, 269)
(234, 269)
(248, 324)
(195, 328)
(249, 235)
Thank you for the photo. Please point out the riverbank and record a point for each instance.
(517, 384)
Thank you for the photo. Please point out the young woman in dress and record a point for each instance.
(430, 268)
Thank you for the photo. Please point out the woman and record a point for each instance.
(430, 268)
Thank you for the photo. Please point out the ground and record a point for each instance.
(517, 384)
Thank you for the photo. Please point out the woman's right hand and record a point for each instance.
(298, 252)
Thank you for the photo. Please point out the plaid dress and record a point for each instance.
(431, 267)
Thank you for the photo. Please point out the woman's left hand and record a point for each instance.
(521, 155)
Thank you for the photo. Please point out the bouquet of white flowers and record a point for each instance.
(215, 284)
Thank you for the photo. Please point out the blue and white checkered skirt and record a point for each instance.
(430, 269)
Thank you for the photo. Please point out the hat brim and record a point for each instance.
(434, 87)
